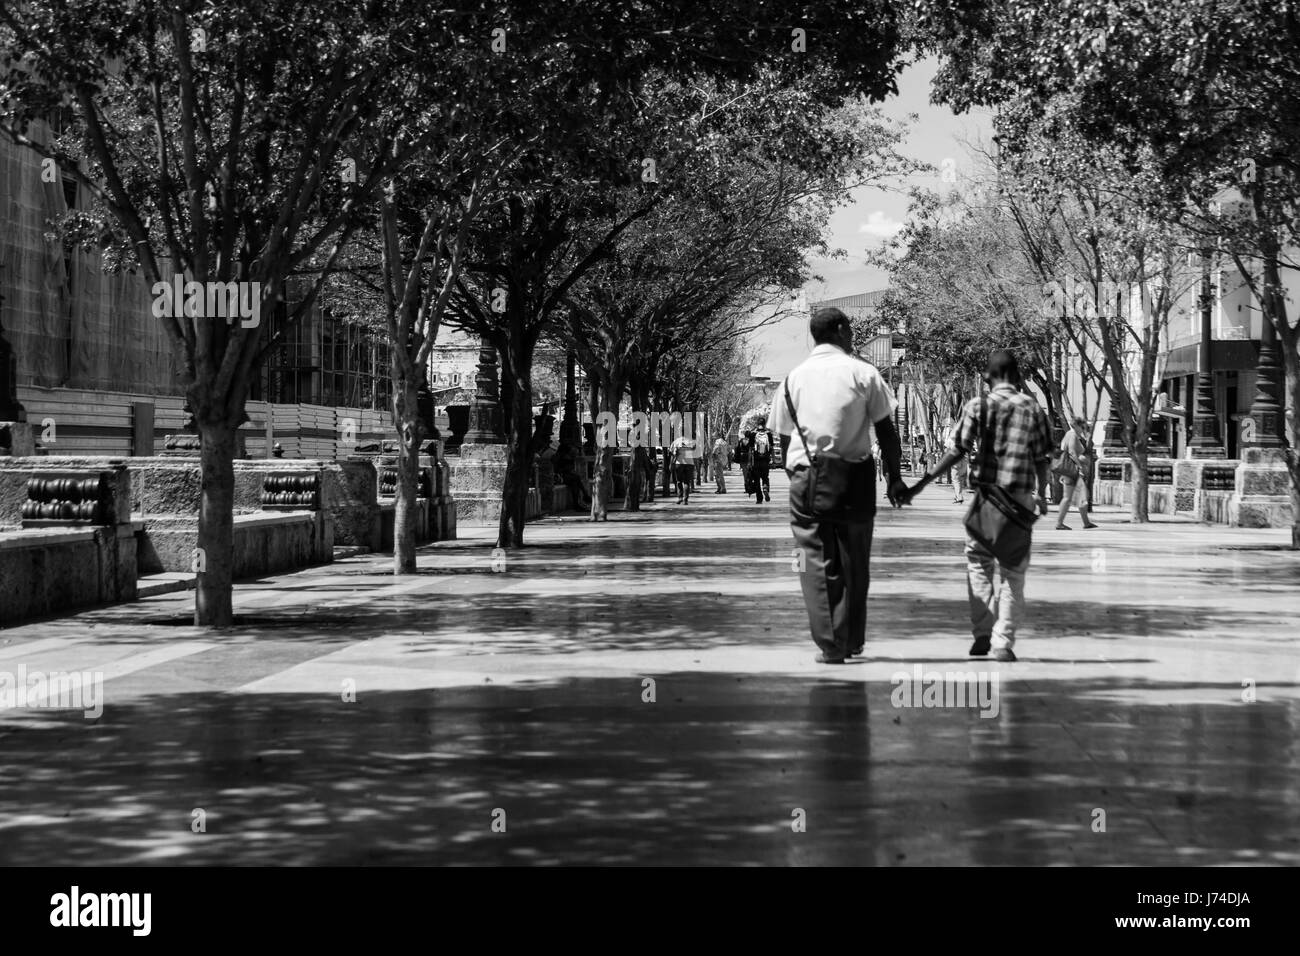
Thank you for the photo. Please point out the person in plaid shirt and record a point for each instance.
(1018, 462)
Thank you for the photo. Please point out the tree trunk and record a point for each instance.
(518, 413)
(1138, 512)
(406, 415)
(636, 480)
(602, 484)
(214, 560)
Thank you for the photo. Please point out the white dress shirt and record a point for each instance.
(837, 397)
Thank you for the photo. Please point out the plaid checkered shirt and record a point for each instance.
(1022, 439)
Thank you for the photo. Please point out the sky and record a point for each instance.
(874, 214)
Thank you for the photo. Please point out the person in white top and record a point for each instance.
(960, 470)
(684, 454)
(721, 464)
(834, 406)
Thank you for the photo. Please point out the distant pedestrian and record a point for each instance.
(761, 463)
(721, 464)
(650, 465)
(566, 466)
(825, 412)
(1015, 443)
(746, 452)
(1074, 469)
(961, 468)
(683, 455)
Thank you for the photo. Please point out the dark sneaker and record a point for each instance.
(1063, 527)
(824, 658)
(981, 646)
(1004, 654)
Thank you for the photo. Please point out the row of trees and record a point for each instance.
(430, 164)
(1045, 253)
(1180, 109)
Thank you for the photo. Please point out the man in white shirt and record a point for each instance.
(683, 452)
(842, 406)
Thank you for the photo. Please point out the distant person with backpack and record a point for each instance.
(760, 463)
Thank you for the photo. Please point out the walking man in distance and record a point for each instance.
(761, 463)
(827, 412)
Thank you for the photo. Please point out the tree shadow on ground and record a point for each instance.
(715, 770)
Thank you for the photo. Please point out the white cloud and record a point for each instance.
(879, 225)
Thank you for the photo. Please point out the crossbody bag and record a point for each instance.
(836, 490)
(996, 519)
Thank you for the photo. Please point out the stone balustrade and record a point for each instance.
(76, 532)
(1253, 492)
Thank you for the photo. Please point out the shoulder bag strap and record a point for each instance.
(986, 440)
(785, 390)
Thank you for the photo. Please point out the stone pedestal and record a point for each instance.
(21, 440)
(1263, 498)
(476, 480)
(1187, 484)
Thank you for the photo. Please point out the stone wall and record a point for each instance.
(1251, 493)
(53, 570)
(147, 522)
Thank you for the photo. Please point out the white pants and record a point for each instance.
(996, 591)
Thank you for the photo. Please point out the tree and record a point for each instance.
(535, 246)
(959, 287)
(226, 145)
(731, 231)
(1207, 93)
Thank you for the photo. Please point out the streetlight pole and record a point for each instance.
(1205, 442)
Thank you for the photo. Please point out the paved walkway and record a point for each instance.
(518, 695)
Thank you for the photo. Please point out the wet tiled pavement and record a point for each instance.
(503, 715)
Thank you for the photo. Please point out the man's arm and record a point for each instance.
(891, 452)
(785, 453)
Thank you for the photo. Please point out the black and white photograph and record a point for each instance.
(650, 434)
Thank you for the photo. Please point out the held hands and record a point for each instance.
(899, 494)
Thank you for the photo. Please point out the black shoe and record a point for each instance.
(1063, 527)
(981, 646)
(824, 658)
(767, 497)
(1005, 654)
(856, 652)
(1090, 525)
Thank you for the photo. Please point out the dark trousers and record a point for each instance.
(761, 485)
(835, 573)
(684, 477)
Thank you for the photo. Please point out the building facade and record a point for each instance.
(78, 331)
